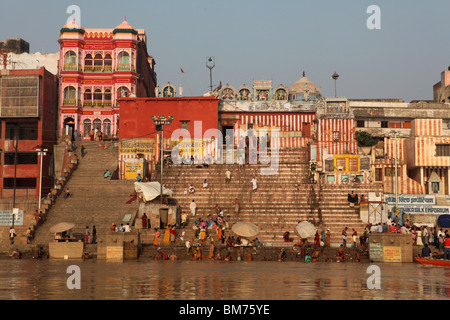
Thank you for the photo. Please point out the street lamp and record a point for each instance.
(160, 121)
(41, 151)
(335, 76)
(210, 64)
(395, 170)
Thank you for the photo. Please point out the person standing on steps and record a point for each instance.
(83, 152)
(254, 184)
(227, 177)
(236, 206)
(193, 207)
(87, 234)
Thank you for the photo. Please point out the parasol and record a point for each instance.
(245, 229)
(61, 227)
(305, 230)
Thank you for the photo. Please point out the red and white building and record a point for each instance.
(98, 67)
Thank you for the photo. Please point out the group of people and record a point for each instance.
(122, 228)
(170, 235)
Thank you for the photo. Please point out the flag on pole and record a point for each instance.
(182, 70)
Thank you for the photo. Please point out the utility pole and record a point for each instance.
(41, 151)
(160, 121)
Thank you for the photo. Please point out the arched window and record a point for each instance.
(87, 126)
(98, 96)
(98, 62)
(88, 63)
(123, 61)
(122, 92)
(98, 124)
(107, 127)
(107, 63)
(70, 96)
(70, 60)
(108, 95)
(88, 95)
(87, 98)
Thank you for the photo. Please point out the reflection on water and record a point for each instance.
(205, 280)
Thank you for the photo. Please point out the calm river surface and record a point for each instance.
(206, 280)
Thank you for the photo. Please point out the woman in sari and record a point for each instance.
(167, 235)
(173, 234)
(211, 251)
(328, 238)
(156, 239)
(202, 234)
(197, 253)
(219, 233)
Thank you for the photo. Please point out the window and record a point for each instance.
(22, 157)
(98, 95)
(329, 165)
(331, 178)
(123, 61)
(107, 127)
(21, 183)
(88, 95)
(435, 187)
(185, 124)
(360, 124)
(70, 93)
(25, 131)
(364, 163)
(122, 92)
(378, 174)
(443, 150)
(70, 60)
(87, 126)
(390, 171)
(88, 63)
(98, 124)
(384, 124)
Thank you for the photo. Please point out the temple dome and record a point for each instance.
(303, 84)
(124, 25)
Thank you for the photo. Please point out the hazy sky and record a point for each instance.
(266, 40)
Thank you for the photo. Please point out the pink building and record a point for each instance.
(98, 67)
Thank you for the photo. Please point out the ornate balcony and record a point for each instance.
(69, 102)
(70, 67)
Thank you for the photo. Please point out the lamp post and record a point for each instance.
(210, 64)
(335, 76)
(160, 121)
(41, 151)
(395, 170)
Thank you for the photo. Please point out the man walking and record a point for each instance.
(193, 207)
(447, 248)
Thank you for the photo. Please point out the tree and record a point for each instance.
(365, 139)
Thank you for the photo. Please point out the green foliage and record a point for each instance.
(365, 139)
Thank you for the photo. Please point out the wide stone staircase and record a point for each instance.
(281, 201)
(95, 200)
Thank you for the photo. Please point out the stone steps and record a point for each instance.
(279, 203)
(95, 200)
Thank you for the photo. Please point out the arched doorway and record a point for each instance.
(69, 127)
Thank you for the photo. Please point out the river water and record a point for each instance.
(209, 280)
